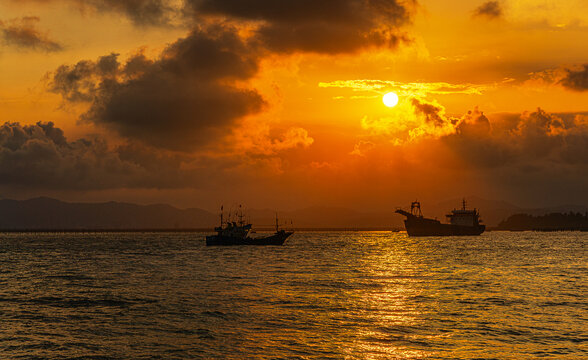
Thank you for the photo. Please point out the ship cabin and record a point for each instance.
(464, 217)
(232, 229)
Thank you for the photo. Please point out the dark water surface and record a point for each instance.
(334, 295)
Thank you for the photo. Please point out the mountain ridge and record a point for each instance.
(44, 213)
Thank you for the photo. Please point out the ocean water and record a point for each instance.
(332, 295)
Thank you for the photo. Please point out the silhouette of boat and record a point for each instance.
(238, 233)
(461, 222)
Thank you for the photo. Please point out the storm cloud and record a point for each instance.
(328, 26)
(181, 101)
(23, 33)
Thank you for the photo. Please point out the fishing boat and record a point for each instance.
(239, 233)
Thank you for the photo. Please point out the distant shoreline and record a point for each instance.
(196, 230)
(57, 231)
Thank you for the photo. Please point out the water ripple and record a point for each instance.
(351, 295)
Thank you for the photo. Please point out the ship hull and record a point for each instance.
(428, 227)
(276, 239)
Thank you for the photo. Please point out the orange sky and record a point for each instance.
(279, 104)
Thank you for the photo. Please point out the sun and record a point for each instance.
(390, 99)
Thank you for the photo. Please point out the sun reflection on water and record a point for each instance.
(386, 304)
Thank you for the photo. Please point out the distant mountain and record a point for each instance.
(50, 214)
(549, 222)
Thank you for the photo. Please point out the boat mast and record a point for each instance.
(277, 222)
(464, 203)
(241, 223)
(221, 216)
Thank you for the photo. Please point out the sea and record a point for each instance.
(323, 295)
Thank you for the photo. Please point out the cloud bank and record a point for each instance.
(39, 156)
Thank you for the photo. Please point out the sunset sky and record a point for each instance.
(278, 104)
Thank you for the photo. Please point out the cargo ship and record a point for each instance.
(461, 222)
(238, 233)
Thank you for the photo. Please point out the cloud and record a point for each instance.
(197, 90)
(576, 78)
(327, 26)
(185, 99)
(39, 156)
(432, 113)
(489, 9)
(536, 157)
(407, 89)
(538, 139)
(140, 12)
(362, 147)
(254, 138)
(573, 77)
(23, 34)
(412, 121)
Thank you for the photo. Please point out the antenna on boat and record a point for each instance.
(240, 215)
(464, 203)
(221, 216)
(415, 209)
(277, 225)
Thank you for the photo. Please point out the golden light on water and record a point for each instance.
(390, 99)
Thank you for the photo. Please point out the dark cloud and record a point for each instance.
(182, 101)
(23, 33)
(536, 140)
(327, 26)
(140, 12)
(576, 79)
(431, 112)
(39, 156)
(490, 9)
(536, 157)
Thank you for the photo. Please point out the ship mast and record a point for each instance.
(241, 223)
(221, 216)
(463, 203)
(277, 222)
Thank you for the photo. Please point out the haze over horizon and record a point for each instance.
(198, 103)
